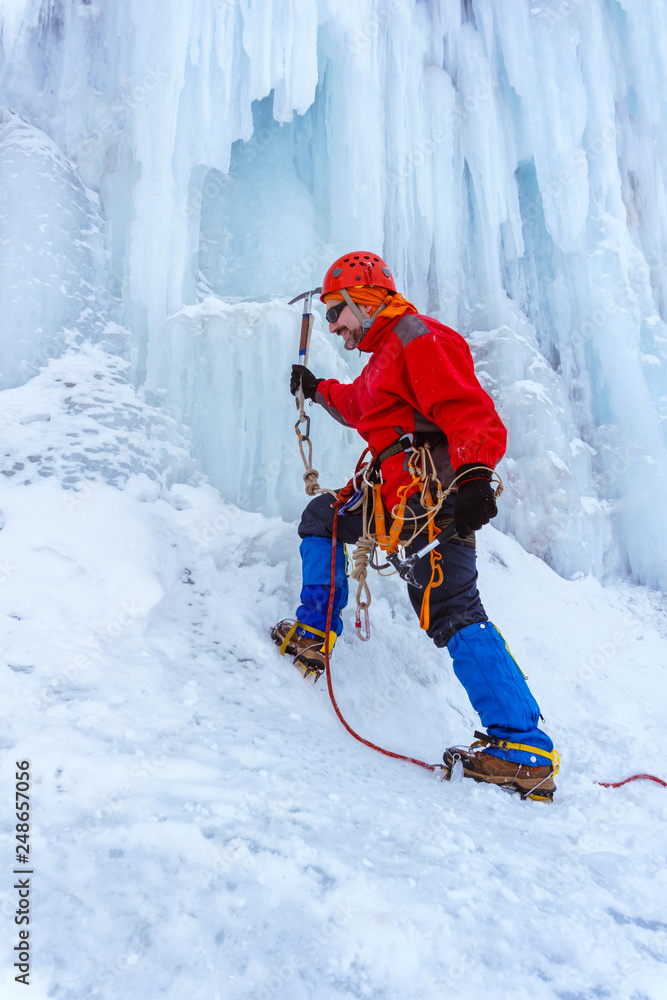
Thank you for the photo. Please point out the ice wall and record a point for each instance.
(51, 252)
(508, 159)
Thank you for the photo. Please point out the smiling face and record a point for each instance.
(347, 325)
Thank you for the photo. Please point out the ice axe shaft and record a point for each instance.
(306, 322)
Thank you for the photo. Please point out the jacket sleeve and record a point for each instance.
(339, 400)
(441, 369)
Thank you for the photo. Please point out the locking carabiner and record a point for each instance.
(367, 623)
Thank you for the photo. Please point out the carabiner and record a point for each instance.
(364, 475)
(304, 419)
(367, 622)
(351, 503)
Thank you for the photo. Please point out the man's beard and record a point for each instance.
(351, 338)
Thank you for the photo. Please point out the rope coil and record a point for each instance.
(360, 557)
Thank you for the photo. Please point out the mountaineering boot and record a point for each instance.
(307, 648)
(499, 693)
(529, 780)
(517, 755)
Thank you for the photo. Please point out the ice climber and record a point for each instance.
(419, 388)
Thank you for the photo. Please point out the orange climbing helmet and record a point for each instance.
(357, 268)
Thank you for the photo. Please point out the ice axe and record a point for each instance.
(304, 346)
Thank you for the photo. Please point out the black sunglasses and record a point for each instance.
(332, 314)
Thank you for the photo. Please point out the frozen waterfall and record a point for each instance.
(172, 172)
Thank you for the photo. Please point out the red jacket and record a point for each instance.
(420, 377)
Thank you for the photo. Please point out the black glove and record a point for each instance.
(475, 503)
(301, 374)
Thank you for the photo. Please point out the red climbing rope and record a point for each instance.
(634, 777)
(367, 743)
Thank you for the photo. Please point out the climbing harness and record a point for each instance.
(365, 489)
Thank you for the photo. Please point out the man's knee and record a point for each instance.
(317, 518)
(444, 631)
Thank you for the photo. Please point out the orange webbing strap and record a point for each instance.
(436, 569)
(381, 536)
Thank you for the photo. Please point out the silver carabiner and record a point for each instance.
(304, 419)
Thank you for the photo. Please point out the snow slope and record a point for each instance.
(203, 825)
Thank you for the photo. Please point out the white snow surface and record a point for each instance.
(204, 827)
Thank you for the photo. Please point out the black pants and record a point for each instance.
(454, 604)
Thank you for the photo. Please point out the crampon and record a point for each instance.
(530, 781)
(306, 649)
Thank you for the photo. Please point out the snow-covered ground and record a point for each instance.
(203, 826)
